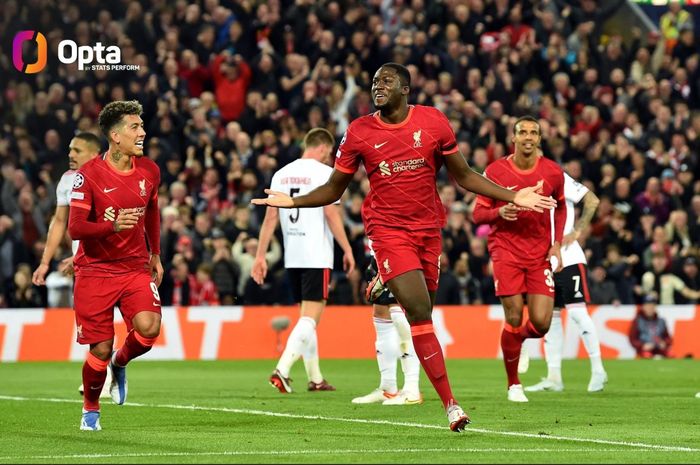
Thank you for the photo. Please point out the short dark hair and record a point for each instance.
(318, 136)
(526, 118)
(112, 114)
(91, 139)
(401, 71)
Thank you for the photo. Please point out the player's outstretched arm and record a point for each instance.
(322, 195)
(528, 198)
(473, 181)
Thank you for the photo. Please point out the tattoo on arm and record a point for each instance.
(590, 205)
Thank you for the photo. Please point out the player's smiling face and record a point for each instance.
(527, 137)
(131, 135)
(387, 90)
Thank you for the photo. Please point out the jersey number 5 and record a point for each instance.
(294, 217)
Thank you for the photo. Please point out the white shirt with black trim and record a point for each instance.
(308, 240)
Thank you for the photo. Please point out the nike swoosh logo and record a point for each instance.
(156, 304)
(510, 188)
(512, 360)
(376, 146)
(430, 356)
(107, 191)
(92, 388)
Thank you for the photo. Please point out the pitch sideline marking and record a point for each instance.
(300, 452)
(469, 429)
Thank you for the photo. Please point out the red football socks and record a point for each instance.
(511, 343)
(430, 355)
(134, 345)
(94, 374)
(528, 331)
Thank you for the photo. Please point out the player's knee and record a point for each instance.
(542, 327)
(514, 320)
(419, 312)
(102, 350)
(150, 331)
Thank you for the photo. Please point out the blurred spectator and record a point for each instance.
(691, 277)
(23, 294)
(648, 332)
(665, 284)
(603, 292)
(202, 289)
(225, 272)
(232, 77)
(673, 21)
(448, 292)
(176, 287)
(243, 252)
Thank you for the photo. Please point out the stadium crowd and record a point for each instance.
(229, 88)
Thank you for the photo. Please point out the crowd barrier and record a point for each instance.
(240, 332)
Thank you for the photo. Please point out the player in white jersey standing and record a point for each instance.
(393, 343)
(571, 292)
(308, 254)
(83, 147)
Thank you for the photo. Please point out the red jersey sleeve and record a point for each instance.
(447, 141)
(152, 220)
(347, 158)
(79, 226)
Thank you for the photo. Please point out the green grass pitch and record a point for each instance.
(224, 412)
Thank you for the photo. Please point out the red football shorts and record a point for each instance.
(398, 251)
(531, 278)
(94, 298)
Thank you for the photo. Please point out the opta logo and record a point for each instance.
(18, 61)
(107, 58)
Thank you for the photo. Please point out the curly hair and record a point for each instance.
(112, 114)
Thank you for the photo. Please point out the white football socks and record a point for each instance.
(410, 365)
(387, 346)
(310, 355)
(298, 340)
(553, 347)
(579, 313)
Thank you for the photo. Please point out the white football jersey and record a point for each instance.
(573, 193)
(63, 194)
(308, 240)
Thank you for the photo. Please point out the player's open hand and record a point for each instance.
(259, 271)
(509, 212)
(39, 276)
(275, 199)
(528, 197)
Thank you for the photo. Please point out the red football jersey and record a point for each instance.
(401, 161)
(530, 236)
(103, 191)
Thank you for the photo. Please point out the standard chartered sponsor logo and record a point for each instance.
(384, 169)
(407, 165)
(110, 214)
